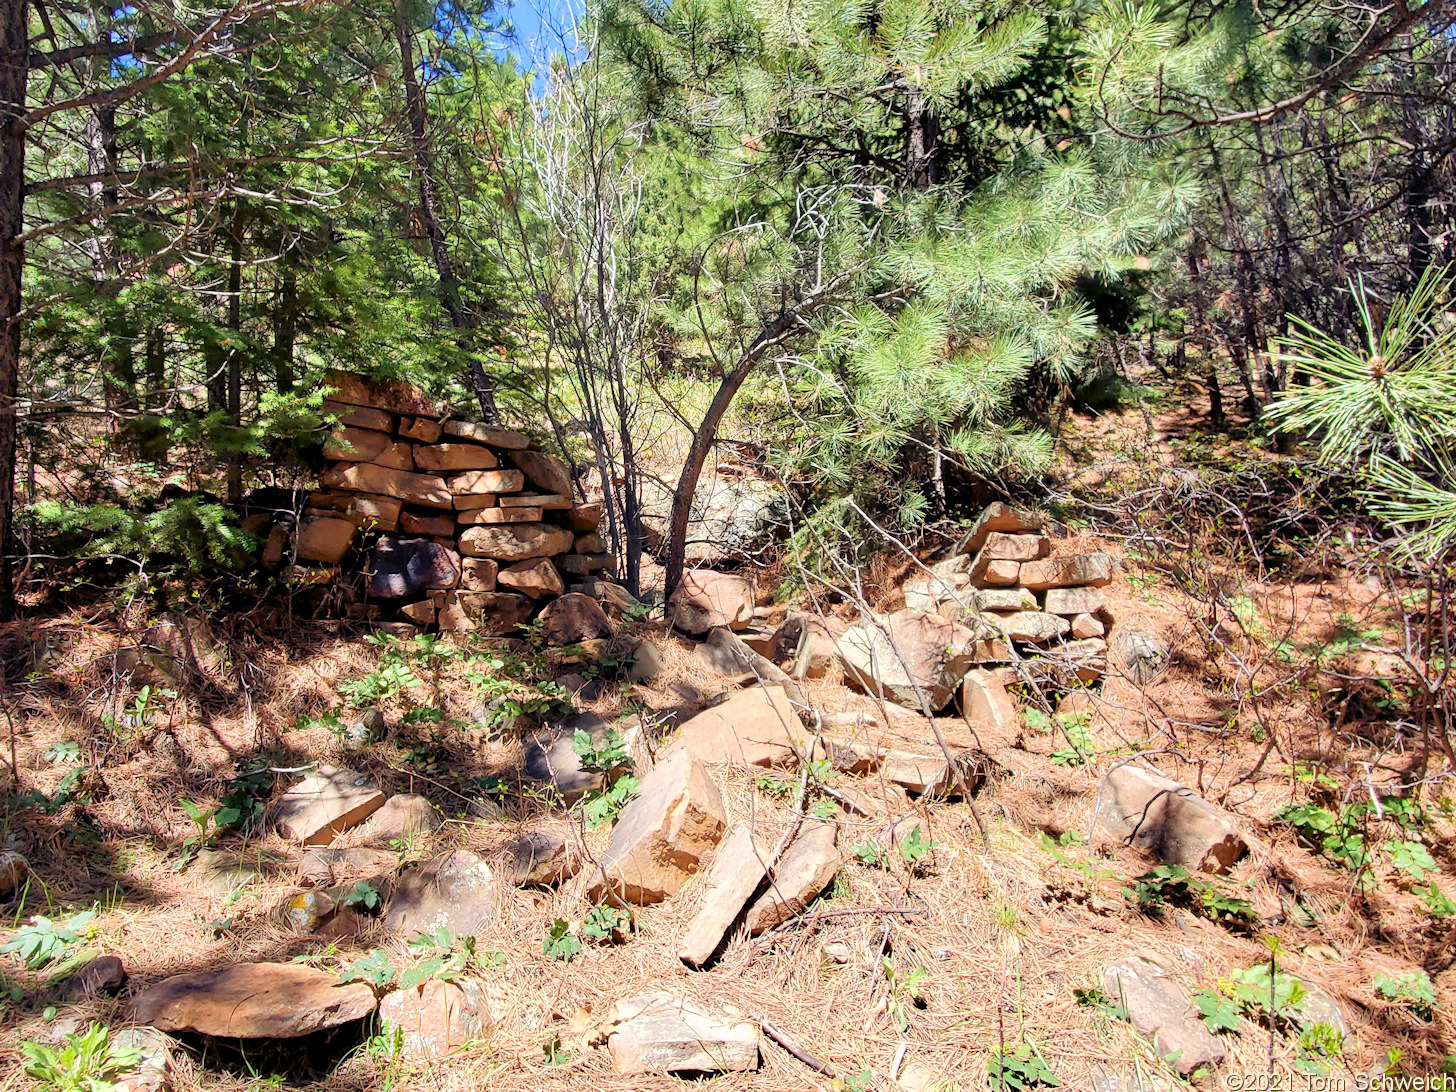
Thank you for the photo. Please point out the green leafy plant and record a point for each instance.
(1267, 994)
(560, 944)
(1437, 904)
(601, 806)
(1412, 858)
(605, 923)
(1340, 837)
(1093, 998)
(374, 969)
(88, 1061)
(1413, 990)
(1013, 1068)
(364, 896)
(871, 853)
(902, 991)
(43, 942)
(604, 756)
(555, 1051)
(439, 957)
(202, 820)
(1173, 885)
(1318, 1042)
(66, 750)
(1077, 728)
(915, 847)
(50, 803)
(1220, 1013)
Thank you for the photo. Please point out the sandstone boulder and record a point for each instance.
(1000, 517)
(484, 482)
(1086, 626)
(403, 818)
(986, 701)
(573, 617)
(357, 445)
(662, 835)
(437, 1017)
(1142, 654)
(515, 541)
(547, 502)
(424, 430)
(1004, 599)
(358, 416)
(738, 868)
(391, 395)
(495, 614)
(13, 870)
(910, 651)
(426, 490)
(485, 434)
(1003, 547)
(546, 472)
(706, 599)
(324, 803)
(253, 1001)
(400, 567)
(492, 516)
(584, 518)
(456, 891)
(414, 523)
(755, 727)
(729, 654)
(986, 572)
(1073, 601)
(1158, 1007)
(337, 867)
(325, 538)
(807, 867)
(929, 592)
(536, 578)
(1031, 625)
(101, 977)
(444, 458)
(478, 574)
(814, 652)
(1159, 816)
(538, 858)
(660, 1033)
(551, 757)
(1096, 570)
(376, 513)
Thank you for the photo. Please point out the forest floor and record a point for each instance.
(987, 945)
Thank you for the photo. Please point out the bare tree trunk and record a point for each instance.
(285, 331)
(14, 61)
(770, 335)
(235, 357)
(419, 119)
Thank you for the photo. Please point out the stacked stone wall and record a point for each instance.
(425, 518)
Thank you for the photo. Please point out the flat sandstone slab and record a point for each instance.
(253, 1001)
(736, 873)
(325, 803)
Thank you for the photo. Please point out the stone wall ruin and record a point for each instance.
(424, 518)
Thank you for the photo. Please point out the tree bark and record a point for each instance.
(14, 54)
(235, 358)
(771, 334)
(285, 331)
(419, 119)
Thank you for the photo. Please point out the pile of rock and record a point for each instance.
(450, 523)
(996, 599)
